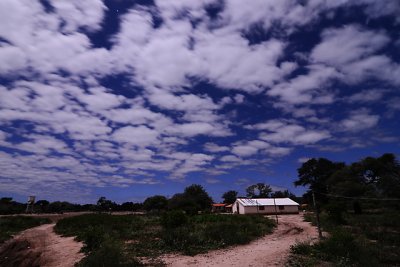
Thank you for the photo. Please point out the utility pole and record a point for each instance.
(276, 212)
(317, 215)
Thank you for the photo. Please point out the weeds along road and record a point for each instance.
(270, 250)
(40, 246)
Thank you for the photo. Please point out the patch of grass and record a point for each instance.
(11, 225)
(127, 238)
(370, 239)
(207, 232)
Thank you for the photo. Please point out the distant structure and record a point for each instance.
(265, 206)
(29, 204)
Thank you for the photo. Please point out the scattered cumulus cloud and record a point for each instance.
(180, 90)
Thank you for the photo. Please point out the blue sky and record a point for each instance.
(128, 99)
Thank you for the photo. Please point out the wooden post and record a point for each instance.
(276, 212)
(317, 215)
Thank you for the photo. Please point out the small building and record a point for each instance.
(218, 207)
(265, 206)
(228, 208)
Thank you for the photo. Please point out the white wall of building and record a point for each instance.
(287, 209)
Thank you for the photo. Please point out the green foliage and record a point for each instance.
(192, 200)
(230, 196)
(157, 203)
(110, 253)
(369, 239)
(127, 237)
(205, 232)
(335, 212)
(259, 190)
(174, 219)
(104, 236)
(8, 206)
(368, 236)
(11, 225)
(282, 194)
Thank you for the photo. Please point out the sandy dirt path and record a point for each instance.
(271, 250)
(40, 246)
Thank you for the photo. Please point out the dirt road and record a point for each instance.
(271, 250)
(40, 246)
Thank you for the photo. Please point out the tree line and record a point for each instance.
(335, 185)
(372, 181)
(193, 199)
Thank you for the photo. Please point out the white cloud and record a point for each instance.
(282, 132)
(306, 88)
(366, 96)
(352, 50)
(348, 44)
(211, 147)
(359, 120)
(140, 135)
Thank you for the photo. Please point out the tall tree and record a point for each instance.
(230, 196)
(314, 173)
(259, 190)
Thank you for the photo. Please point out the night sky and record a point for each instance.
(128, 99)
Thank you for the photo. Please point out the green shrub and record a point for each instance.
(174, 219)
(335, 212)
(301, 248)
(108, 254)
(204, 232)
(127, 237)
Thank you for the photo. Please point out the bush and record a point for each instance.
(204, 232)
(110, 253)
(301, 248)
(335, 212)
(174, 219)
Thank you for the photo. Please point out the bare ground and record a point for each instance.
(40, 246)
(271, 250)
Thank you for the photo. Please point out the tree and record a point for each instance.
(381, 174)
(281, 194)
(315, 173)
(230, 196)
(104, 204)
(259, 190)
(192, 200)
(43, 205)
(156, 202)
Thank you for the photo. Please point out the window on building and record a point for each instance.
(281, 207)
(261, 207)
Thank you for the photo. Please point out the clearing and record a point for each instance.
(270, 250)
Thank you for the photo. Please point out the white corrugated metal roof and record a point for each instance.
(267, 202)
